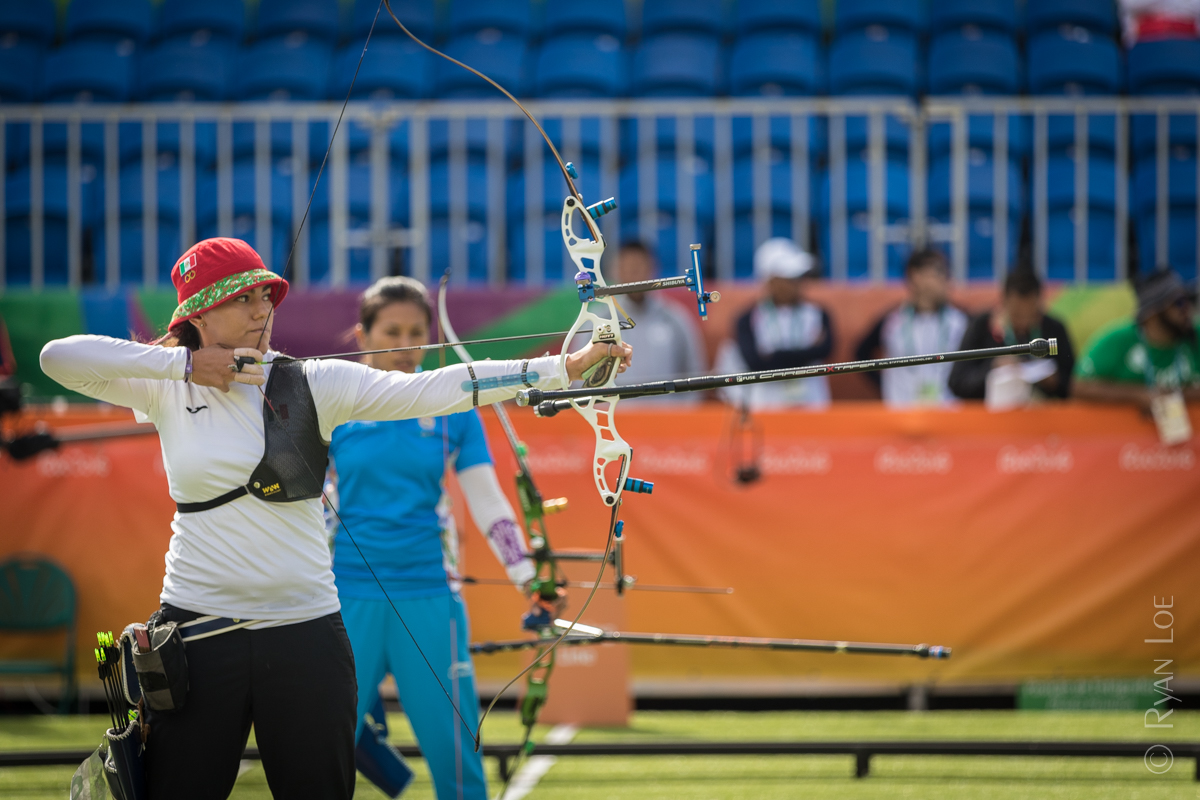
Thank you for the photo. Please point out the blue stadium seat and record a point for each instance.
(511, 17)
(705, 17)
(501, 58)
(320, 19)
(998, 16)
(87, 71)
(1181, 203)
(780, 203)
(1167, 66)
(974, 62)
(670, 245)
(677, 65)
(863, 63)
(557, 265)
(417, 16)
(581, 65)
(577, 19)
(220, 19)
(799, 16)
(476, 194)
(393, 69)
(282, 69)
(1074, 61)
(358, 197)
(664, 137)
(178, 70)
(109, 20)
(130, 213)
(858, 221)
(780, 137)
(1101, 218)
(29, 20)
(783, 63)
(1099, 16)
(894, 15)
(20, 73)
(244, 210)
(54, 219)
(980, 206)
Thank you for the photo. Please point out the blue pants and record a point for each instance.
(381, 645)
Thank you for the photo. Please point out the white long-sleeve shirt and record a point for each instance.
(249, 559)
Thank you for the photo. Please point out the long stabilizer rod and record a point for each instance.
(586, 634)
(548, 403)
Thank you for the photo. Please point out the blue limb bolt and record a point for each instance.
(617, 532)
(639, 486)
(598, 210)
(536, 619)
(585, 286)
(571, 171)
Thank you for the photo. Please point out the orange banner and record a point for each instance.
(1035, 543)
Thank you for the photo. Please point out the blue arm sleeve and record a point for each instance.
(470, 442)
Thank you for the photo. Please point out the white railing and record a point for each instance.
(896, 132)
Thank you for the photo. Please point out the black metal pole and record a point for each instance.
(549, 403)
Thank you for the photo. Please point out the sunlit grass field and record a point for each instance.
(736, 777)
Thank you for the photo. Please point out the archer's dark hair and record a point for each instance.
(385, 291)
(926, 257)
(185, 335)
(1022, 281)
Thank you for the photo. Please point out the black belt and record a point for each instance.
(228, 497)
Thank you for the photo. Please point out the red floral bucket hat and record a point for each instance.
(216, 270)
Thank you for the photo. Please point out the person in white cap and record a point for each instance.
(784, 330)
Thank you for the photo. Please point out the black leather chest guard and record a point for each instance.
(294, 460)
(295, 457)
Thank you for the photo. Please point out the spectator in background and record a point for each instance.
(668, 343)
(784, 330)
(1010, 381)
(1148, 20)
(925, 323)
(1154, 355)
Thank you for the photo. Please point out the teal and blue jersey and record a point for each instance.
(391, 497)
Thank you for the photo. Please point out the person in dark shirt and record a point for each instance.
(784, 330)
(926, 322)
(1017, 320)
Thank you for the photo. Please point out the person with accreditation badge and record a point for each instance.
(245, 448)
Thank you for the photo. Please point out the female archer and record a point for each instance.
(248, 567)
(392, 501)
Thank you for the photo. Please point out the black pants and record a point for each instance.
(295, 683)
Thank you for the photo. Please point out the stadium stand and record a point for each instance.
(512, 17)
(126, 21)
(358, 203)
(399, 69)
(677, 65)
(578, 18)
(18, 236)
(858, 221)
(1063, 219)
(131, 222)
(894, 16)
(1097, 16)
(700, 17)
(580, 65)
(775, 63)
(1181, 199)
(501, 57)
(557, 265)
(28, 22)
(243, 210)
(318, 19)
(981, 222)
(291, 68)
(20, 71)
(790, 16)
(201, 20)
(779, 204)
(991, 16)
(417, 15)
(178, 69)
(87, 71)
(666, 220)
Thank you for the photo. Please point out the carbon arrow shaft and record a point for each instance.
(1039, 348)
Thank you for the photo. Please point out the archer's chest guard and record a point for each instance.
(294, 459)
(295, 456)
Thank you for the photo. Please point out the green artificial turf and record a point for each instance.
(733, 777)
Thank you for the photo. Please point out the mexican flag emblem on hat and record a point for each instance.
(216, 270)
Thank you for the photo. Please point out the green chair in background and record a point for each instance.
(38, 596)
